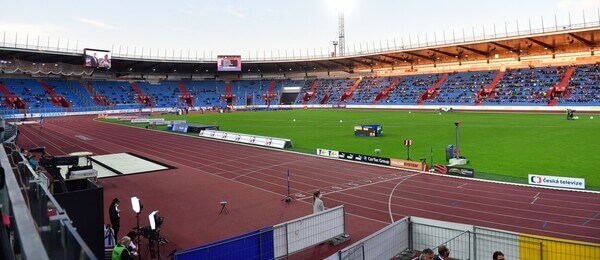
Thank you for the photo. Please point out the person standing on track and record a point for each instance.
(115, 217)
(318, 205)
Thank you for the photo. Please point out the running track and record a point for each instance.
(253, 181)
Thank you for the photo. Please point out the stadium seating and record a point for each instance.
(516, 87)
(461, 88)
(525, 86)
(30, 91)
(584, 87)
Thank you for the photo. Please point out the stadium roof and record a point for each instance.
(557, 41)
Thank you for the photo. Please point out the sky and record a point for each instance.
(268, 27)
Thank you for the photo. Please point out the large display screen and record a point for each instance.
(96, 58)
(229, 63)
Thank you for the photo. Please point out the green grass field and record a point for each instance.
(499, 146)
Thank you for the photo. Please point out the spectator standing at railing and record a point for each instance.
(427, 254)
(443, 253)
(498, 255)
(318, 205)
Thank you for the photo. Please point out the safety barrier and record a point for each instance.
(383, 244)
(464, 242)
(274, 242)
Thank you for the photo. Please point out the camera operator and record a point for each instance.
(122, 251)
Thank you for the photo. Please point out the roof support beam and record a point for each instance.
(583, 40)
(421, 56)
(396, 58)
(379, 60)
(452, 55)
(504, 46)
(361, 62)
(482, 53)
(543, 44)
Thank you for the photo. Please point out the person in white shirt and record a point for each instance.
(318, 205)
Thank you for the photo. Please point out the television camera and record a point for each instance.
(74, 170)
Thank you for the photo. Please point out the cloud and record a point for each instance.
(235, 11)
(95, 23)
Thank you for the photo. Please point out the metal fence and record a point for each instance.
(28, 202)
(276, 242)
(413, 234)
(383, 244)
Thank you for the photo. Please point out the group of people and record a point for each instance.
(125, 248)
(444, 254)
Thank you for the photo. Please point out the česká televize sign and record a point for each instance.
(555, 181)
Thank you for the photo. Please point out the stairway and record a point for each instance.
(228, 97)
(488, 91)
(270, 95)
(431, 92)
(185, 97)
(99, 99)
(57, 100)
(561, 89)
(325, 98)
(386, 92)
(348, 94)
(311, 92)
(11, 100)
(144, 100)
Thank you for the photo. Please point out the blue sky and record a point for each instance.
(266, 26)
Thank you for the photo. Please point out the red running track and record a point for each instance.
(253, 181)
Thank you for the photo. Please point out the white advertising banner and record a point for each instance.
(248, 139)
(555, 181)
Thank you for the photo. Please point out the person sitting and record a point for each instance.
(121, 250)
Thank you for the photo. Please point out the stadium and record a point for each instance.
(475, 143)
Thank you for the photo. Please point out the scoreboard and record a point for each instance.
(368, 130)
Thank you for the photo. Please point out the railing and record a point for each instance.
(411, 234)
(28, 202)
(277, 242)
(300, 54)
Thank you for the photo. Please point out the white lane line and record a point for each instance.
(392, 193)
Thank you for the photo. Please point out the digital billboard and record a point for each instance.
(229, 63)
(96, 58)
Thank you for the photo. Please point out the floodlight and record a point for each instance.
(136, 205)
(153, 218)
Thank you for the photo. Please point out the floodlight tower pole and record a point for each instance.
(457, 155)
(342, 37)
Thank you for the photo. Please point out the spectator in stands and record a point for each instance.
(318, 205)
(498, 255)
(115, 217)
(121, 252)
(443, 253)
(427, 254)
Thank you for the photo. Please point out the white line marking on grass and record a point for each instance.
(392, 193)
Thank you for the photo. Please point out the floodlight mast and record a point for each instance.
(342, 36)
